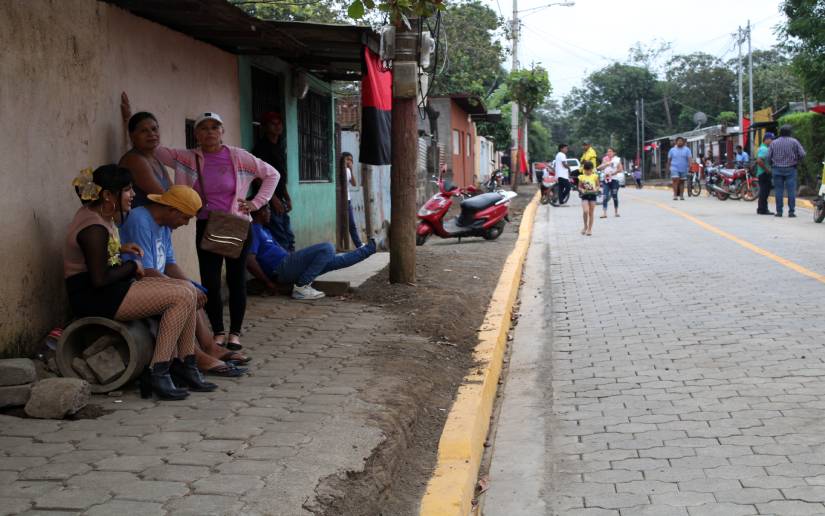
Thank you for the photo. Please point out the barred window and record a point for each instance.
(315, 138)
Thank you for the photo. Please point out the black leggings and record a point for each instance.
(210, 265)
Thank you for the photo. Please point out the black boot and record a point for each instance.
(186, 373)
(162, 385)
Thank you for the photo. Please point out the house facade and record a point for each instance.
(64, 67)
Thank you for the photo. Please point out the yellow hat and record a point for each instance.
(180, 197)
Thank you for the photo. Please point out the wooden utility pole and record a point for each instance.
(404, 154)
(515, 163)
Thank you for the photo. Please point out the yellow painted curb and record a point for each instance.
(451, 488)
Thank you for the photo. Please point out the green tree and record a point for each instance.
(697, 82)
(602, 110)
(805, 28)
(320, 11)
(774, 81)
(530, 88)
(471, 53)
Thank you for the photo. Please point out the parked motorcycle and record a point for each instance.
(483, 215)
(819, 202)
(549, 188)
(494, 183)
(724, 183)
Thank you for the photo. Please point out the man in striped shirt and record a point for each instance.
(784, 155)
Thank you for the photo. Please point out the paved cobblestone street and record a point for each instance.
(258, 446)
(661, 368)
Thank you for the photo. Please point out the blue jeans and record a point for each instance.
(281, 230)
(609, 190)
(303, 266)
(784, 177)
(353, 228)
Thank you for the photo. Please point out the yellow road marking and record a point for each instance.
(747, 245)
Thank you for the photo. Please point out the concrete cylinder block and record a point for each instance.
(132, 340)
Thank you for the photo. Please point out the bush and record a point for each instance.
(809, 129)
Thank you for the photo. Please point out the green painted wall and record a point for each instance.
(313, 203)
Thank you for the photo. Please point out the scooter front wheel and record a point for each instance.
(494, 232)
(421, 239)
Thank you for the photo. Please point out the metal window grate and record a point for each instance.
(315, 138)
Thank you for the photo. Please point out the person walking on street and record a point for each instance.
(784, 154)
(562, 173)
(589, 187)
(611, 167)
(763, 174)
(678, 162)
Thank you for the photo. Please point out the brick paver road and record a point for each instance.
(660, 368)
(260, 445)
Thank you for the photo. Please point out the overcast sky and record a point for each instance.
(573, 41)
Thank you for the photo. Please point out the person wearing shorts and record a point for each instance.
(678, 162)
(589, 187)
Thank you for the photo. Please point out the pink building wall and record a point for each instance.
(62, 69)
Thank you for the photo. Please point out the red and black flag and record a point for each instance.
(376, 111)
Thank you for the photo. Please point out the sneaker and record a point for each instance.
(791, 215)
(675, 198)
(681, 197)
(306, 293)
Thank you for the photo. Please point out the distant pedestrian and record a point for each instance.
(742, 157)
(611, 167)
(637, 176)
(589, 187)
(763, 174)
(678, 163)
(346, 163)
(784, 154)
(562, 173)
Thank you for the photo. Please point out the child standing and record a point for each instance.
(589, 186)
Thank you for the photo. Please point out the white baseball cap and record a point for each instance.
(208, 116)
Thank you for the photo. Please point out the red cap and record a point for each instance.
(271, 116)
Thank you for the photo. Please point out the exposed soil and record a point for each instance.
(441, 314)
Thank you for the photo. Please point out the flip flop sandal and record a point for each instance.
(220, 338)
(227, 371)
(227, 357)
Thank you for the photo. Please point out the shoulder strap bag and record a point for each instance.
(225, 233)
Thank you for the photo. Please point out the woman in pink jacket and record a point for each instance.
(226, 174)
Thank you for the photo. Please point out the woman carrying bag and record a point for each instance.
(222, 175)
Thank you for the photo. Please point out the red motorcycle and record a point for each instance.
(737, 183)
(483, 215)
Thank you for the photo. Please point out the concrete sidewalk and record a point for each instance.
(259, 445)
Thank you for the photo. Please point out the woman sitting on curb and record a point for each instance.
(100, 283)
(271, 263)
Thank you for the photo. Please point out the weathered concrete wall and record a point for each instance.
(62, 68)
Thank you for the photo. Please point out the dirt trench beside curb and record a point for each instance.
(419, 369)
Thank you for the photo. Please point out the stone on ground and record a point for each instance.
(55, 398)
(14, 395)
(17, 371)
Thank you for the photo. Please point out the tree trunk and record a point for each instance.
(402, 190)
